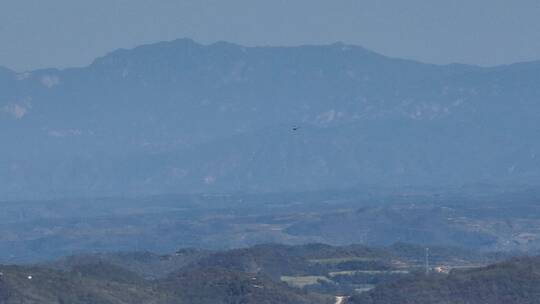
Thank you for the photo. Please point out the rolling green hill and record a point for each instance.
(36, 285)
(271, 273)
(316, 268)
(108, 284)
(221, 286)
(513, 282)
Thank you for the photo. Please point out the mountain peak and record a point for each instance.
(171, 50)
(191, 100)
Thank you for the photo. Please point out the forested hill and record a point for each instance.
(107, 284)
(513, 282)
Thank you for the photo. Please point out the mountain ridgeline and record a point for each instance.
(183, 117)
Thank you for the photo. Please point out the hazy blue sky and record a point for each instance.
(61, 33)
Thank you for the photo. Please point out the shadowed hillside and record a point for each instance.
(217, 285)
(108, 284)
(516, 282)
(271, 273)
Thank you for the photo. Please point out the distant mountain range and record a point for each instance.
(184, 117)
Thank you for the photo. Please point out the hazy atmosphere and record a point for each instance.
(66, 33)
(276, 152)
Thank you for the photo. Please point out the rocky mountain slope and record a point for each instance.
(184, 117)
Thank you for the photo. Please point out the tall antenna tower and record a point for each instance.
(427, 261)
